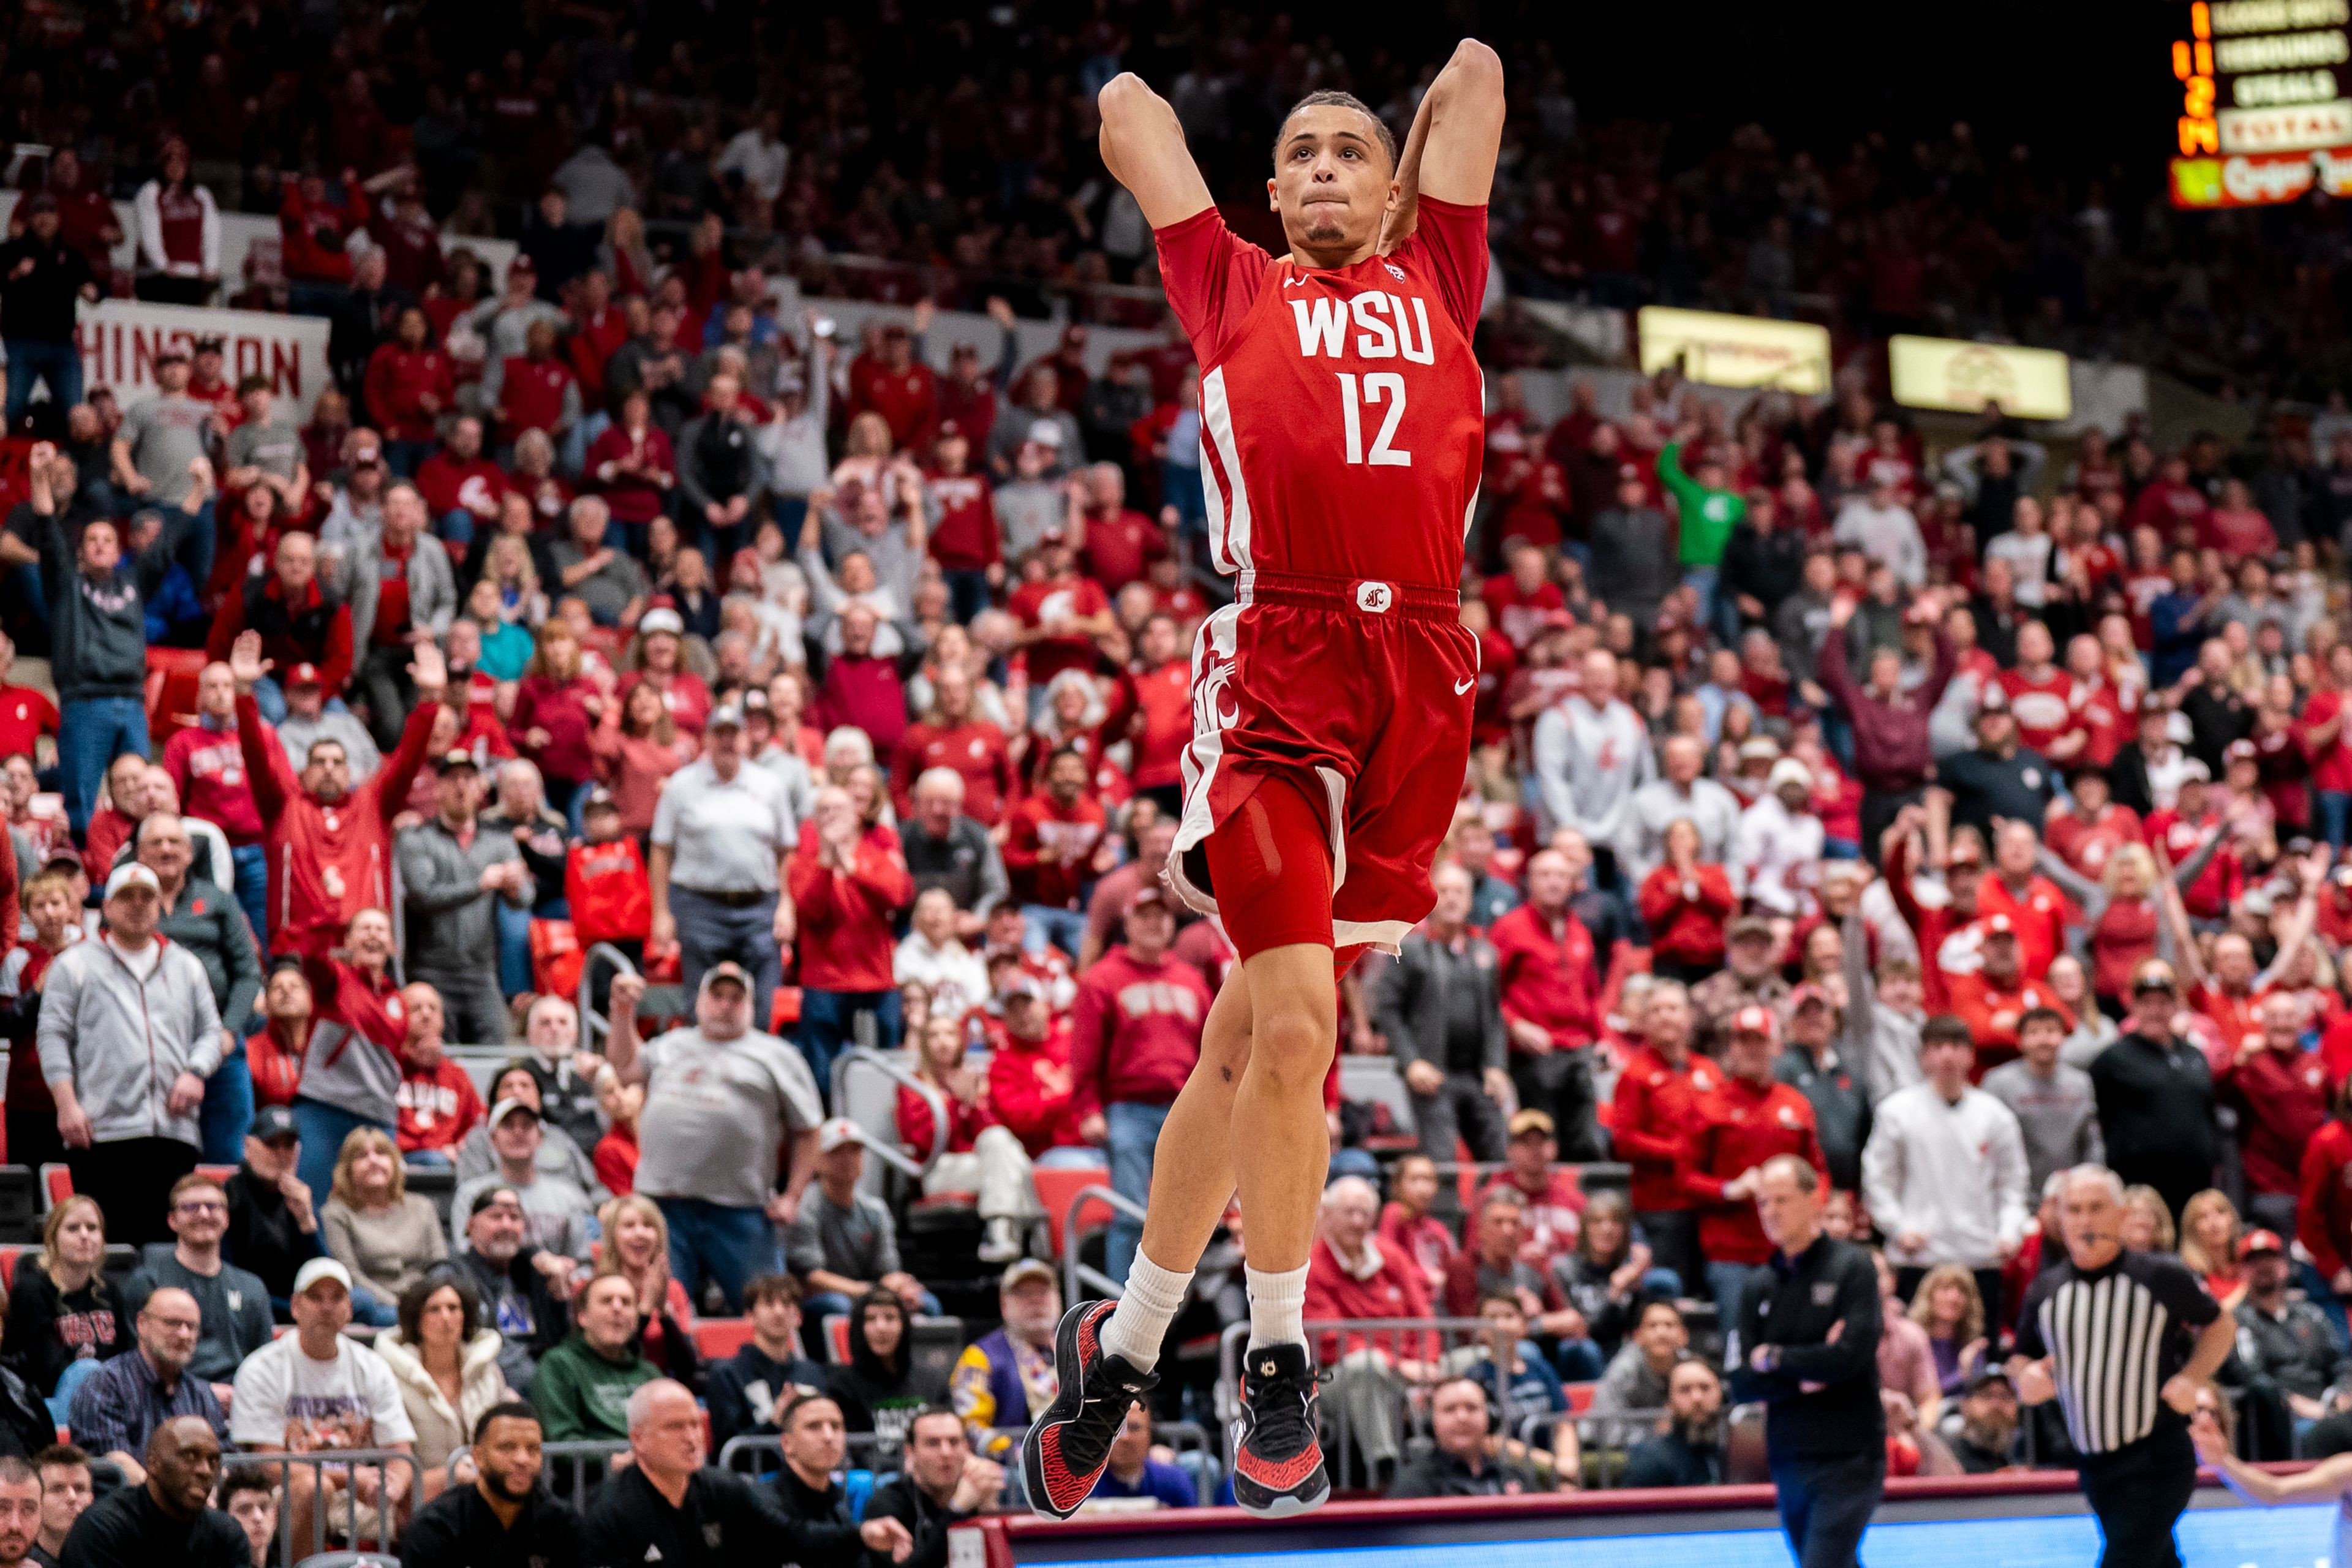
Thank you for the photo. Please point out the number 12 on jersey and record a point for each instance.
(1383, 388)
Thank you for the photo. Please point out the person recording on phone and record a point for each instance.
(2122, 1341)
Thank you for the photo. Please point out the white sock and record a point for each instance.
(1154, 1296)
(1277, 1304)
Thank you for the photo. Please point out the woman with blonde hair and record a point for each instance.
(372, 1224)
(2211, 1231)
(2134, 913)
(1950, 1306)
(65, 1320)
(2147, 1222)
(624, 254)
(444, 1361)
(636, 1248)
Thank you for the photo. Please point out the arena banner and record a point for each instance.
(120, 338)
(1965, 377)
(1735, 351)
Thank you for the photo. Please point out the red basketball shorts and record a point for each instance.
(1358, 694)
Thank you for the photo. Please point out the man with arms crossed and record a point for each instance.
(1342, 430)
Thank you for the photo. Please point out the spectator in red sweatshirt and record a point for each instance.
(534, 390)
(439, 1102)
(1656, 1106)
(298, 622)
(1029, 1066)
(1750, 1117)
(604, 882)
(895, 385)
(330, 843)
(1551, 989)
(1050, 850)
(2280, 1093)
(408, 384)
(1134, 1037)
(954, 736)
(965, 540)
(1061, 614)
(2323, 1218)
(1685, 902)
(461, 488)
(849, 883)
(861, 688)
(1351, 1275)
(634, 463)
(207, 767)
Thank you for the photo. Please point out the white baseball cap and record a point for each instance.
(837, 1131)
(319, 1269)
(133, 875)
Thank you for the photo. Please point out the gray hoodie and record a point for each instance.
(432, 589)
(98, 629)
(123, 1037)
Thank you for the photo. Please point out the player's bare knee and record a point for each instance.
(1292, 1049)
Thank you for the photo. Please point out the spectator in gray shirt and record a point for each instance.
(557, 1215)
(793, 443)
(163, 436)
(1637, 1376)
(453, 871)
(1040, 407)
(2056, 1111)
(608, 580)
(266, 450)
(1031, 504)
(843, 1242)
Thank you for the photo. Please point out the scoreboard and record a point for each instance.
(2263, 110)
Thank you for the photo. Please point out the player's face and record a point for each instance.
(1332, 179)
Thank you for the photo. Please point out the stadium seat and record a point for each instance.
(8, 1266)
(717, 1339)
(171, 674)
(217, 1173)
(1580, 1397)
(1056, 1187)
(836, 1340)
(438, 1184)
(57, 1186)
(20, 1203)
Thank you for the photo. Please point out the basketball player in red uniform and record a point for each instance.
(1342, 427)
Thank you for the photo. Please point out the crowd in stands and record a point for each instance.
(1946, 813)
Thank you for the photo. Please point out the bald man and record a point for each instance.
(167, 1518)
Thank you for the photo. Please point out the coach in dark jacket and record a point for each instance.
(1808, 1348)
(1440, 1006)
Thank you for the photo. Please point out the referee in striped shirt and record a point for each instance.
(2121, 1340)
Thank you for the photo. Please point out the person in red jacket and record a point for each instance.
(606, 885)
(953, 735)
(409, 383)
(207, 768)
(1350, 1275)
(298, 622)
(1551, 989)
(1029, 1067)
(849, 884)
(534, 390)
(1658, 1092)
(1135, 1035)
(330, 843)
(359, 1045)
(2280, 1093)
(965, 540)
(1998, 993)
(461, 488)
(2323, 1211)
(1050, 847)
(312, 230)
(634, 463)
(1750, 1117)
(439, 1102)
(1685, 902)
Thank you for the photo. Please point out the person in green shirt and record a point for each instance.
(584, 1385)
(1709, 510)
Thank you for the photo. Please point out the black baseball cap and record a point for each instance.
(274, 1121)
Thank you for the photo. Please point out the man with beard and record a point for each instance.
(165, 1518)
(1986, 1440)
(1689, 1452)
(523, 1289)
(507, 1518)
(1005, 1377)
(20, 1511)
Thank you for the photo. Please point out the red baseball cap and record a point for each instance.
(1757, 1021)
(303, 675)
(2259, 1241)
(2000, 925)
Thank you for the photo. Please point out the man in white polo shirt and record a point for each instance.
(720, 1099)
(722, 835)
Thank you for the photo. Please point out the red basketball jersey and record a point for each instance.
(1342, 413)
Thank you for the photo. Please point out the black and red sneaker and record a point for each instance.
(1278, 1461)
(1068, 1445)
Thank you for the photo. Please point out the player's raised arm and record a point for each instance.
(1456, 132)
(1143, 148)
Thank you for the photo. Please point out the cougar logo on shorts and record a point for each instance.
(1374, 597)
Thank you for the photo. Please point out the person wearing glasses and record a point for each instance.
(233, 1302)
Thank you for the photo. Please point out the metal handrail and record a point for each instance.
(381, 1460)
(892, 1154)
(1074, 1273)
(593, 1025)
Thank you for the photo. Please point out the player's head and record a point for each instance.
(1334, 173)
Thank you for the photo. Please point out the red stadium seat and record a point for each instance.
(57, 1186)
(217, 1173)
(172, 675)
(836, 1339)
(717, 1339)
(1056, 1188)
(8, 1266)
(1580, 1397)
